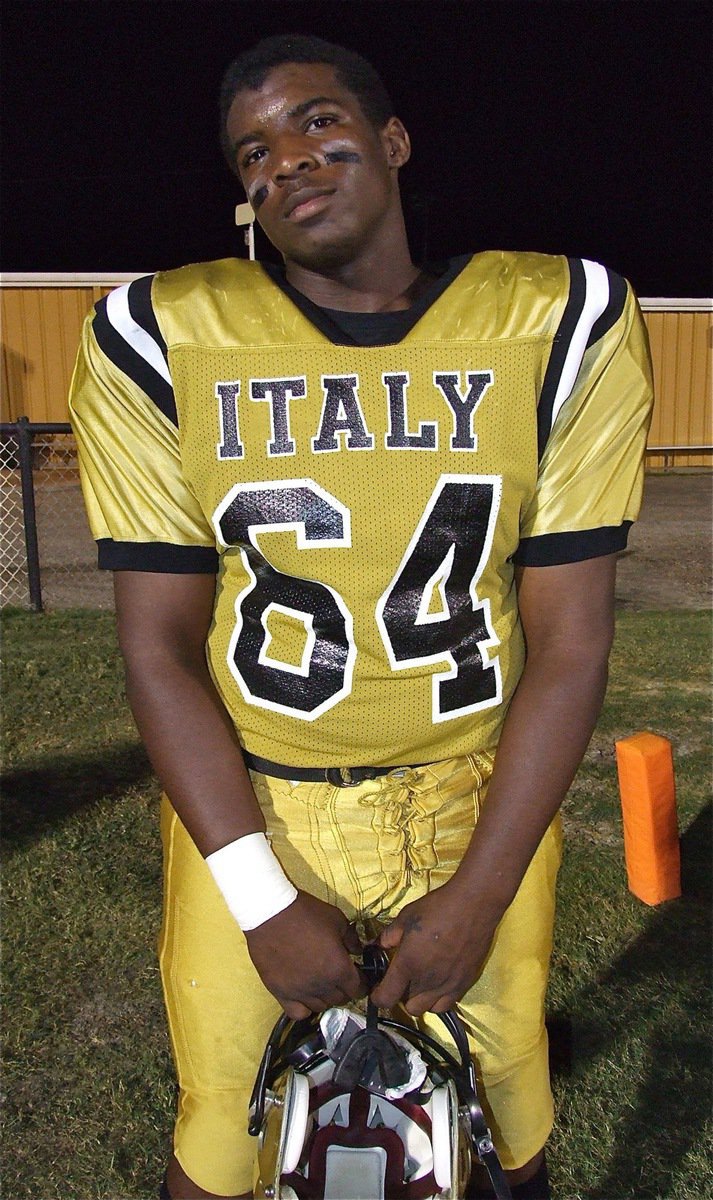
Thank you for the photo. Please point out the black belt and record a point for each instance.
(336, 776)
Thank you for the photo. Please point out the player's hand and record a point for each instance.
(303, 954)
(440, 943)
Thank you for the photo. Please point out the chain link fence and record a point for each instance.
(47, 555)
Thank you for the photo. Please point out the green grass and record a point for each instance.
(88, 1082)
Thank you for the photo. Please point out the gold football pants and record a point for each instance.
(369, 849)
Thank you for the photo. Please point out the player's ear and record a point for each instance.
(396, 142)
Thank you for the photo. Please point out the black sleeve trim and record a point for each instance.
(613, 310)
(551, 549)
(558, 354)
(156, 556)
(118, 351)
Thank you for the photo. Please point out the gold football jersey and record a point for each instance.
(364, 506)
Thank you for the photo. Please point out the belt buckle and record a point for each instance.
(340, 777)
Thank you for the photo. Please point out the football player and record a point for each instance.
(364, 516)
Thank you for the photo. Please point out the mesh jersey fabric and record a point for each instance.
(364, 507)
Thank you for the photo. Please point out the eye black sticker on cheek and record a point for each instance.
(339, 156)
(258, 197)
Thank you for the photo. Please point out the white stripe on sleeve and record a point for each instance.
(117, 310)
(595, 302)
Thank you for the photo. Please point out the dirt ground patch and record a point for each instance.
(669, 559)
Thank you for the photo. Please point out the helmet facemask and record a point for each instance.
(353, 1108)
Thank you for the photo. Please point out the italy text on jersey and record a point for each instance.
(341, 423)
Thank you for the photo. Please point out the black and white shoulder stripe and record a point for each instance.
(596, 301)
(127, 331)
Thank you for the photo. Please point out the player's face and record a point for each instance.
(321, 178)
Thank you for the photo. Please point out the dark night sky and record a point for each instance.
(556, 125)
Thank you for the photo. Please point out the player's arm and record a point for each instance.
(593, 414)
(441, 940)
(301, 953)
(152, 532)
(163, 622)
(567, 613)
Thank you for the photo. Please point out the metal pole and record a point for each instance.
(29, 516)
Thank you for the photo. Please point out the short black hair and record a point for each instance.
(250, 69)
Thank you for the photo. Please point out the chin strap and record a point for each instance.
(485, 1150)
(481, 1137)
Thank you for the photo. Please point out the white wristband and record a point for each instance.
(251, 879)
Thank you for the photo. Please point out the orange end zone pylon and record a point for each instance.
(648, 804)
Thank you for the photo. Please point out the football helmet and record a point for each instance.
(347, 1107)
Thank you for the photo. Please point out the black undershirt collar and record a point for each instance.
(345, 328)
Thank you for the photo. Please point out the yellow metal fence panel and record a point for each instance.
(42, 320)
(682, 353)
(41, 328)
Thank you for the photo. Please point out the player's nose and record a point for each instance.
(292, 157)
